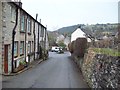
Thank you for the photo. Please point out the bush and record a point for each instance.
(80, 46)
(22, 63)
(70, 46)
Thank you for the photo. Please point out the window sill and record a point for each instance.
(21, 54)
(22, 31)
(15, 56)
(31, 53)
(29, 33)
(12, 21)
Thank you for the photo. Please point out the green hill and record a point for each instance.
(96, 30)
(69, 29)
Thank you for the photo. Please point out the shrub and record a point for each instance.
(80, 46)
(22, 63)
(70, 46)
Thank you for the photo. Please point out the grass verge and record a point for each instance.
(107, 51)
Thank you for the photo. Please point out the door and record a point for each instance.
(6, 58)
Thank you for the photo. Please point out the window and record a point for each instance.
(29, 46)
(42, 32)
(15, 63)
(15, 49)
(29, 25)
(33, 26)
(22, 23)
(13, 14)
(32, 46)
(21, 47)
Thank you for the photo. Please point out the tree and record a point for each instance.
(52, 40)
(61, 44)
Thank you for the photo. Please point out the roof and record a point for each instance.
(26, 13)
(80, 32)
(88, 33)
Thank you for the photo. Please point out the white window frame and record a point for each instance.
(15, 48)
(29, 25)
(22, 47)
(29, 47)
(22, 22)
(13, 14)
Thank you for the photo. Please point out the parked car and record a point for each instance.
(60, 51)
(55, 49)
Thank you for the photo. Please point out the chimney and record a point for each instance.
(79, 26)
(19, 3)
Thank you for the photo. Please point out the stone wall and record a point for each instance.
(101, 71)
(7, 28)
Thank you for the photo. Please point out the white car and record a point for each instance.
(55, 49)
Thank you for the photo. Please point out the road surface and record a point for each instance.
(59, 71)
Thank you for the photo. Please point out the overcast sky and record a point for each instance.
(60, 13)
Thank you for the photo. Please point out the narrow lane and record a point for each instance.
(59, 71)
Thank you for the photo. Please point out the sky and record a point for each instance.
(61, 13)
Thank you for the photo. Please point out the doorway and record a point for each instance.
(5, 58)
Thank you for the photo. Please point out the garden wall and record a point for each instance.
(100, 65)
(101, 71)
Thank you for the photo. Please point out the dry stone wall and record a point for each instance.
(101, 71)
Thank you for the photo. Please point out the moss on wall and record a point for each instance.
(101, 70)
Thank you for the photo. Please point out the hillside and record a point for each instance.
(96, 30)
(68, 29)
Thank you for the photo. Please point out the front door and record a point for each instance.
(6, 58)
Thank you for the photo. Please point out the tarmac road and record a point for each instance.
(59, 71)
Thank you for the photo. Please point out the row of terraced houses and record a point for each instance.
(22, 38)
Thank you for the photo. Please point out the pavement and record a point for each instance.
(32, 64)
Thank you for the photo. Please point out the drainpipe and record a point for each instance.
(13, 38)
(26, 42)
(34, 40)
(38, 42)
(35, 37)
(45, 36)
(45, 43)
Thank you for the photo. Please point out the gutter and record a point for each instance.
(13, 39)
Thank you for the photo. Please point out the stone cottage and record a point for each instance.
(20, 37)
